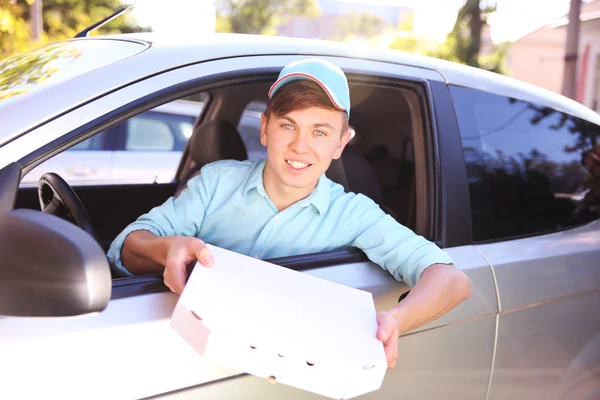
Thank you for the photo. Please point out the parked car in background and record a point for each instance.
(466, 158)
(146, 148)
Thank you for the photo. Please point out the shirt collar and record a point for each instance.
(255, 180)
(319, 197)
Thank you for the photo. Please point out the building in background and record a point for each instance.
(538, 57)
(323, 26)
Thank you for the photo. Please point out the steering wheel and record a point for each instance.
(58, 198)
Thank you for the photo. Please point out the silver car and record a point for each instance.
(487, 167)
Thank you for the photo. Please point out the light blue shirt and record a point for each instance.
(227, 206)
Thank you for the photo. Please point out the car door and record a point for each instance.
(129, 350)
(535, 211)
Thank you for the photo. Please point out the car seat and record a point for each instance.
(354, 173)
(213, 141)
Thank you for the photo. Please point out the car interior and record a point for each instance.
(379, 161)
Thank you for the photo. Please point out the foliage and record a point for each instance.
(14, 29)
(260, 16)
(62, 19)
(463, 44)
(404, 38)
(357, 25)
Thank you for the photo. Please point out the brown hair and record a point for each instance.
(300, 95)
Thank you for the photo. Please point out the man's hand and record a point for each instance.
(181, 252)
(388, 333)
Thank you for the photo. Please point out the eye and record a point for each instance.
(287, 126)
(320, 133)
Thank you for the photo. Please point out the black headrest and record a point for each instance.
(354, 172)
(216, 140)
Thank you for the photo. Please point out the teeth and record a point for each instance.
(297, 164)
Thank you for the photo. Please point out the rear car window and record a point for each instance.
(249, 129)
(29, 72)
(147, 134)
(157, 131)
(531, 169)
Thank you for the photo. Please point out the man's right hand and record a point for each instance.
(181, 252)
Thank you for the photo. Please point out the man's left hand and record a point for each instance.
(388, 333)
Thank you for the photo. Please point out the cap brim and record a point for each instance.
(297, 76)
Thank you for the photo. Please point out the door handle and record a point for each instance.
(81, 170)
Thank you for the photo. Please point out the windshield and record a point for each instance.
(29, 72)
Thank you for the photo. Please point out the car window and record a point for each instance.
(249, 129)
(185, 128)
(163, 132)
(158, 131)
(525, 165)
(148, 134)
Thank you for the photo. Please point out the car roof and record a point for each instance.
(167, 52)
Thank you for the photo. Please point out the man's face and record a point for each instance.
(301, 146)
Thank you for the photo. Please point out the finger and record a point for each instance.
(386, 329)
(391, 352)
(167, 279)
(203, 253)
(189, 268)
(175, 277)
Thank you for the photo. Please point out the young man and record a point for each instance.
(285, 205)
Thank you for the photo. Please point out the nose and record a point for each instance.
(300, 143)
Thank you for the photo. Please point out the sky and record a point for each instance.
(433, 18)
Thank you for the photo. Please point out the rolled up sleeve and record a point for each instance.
(181, 216)
(391, 245)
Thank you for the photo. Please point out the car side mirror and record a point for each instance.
(50, 267)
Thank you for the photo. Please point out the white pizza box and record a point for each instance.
(283, 325)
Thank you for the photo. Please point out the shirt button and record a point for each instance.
(277, 217)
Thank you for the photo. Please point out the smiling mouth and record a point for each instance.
(298, 165)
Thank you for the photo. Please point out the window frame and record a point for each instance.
(452, 221)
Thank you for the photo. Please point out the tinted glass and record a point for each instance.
(29, 72)
(531, 169)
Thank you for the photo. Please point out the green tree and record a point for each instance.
(405, 39)
(63, 19)
(14, 29)
(260, 16)
(463, 44)
(357, 25)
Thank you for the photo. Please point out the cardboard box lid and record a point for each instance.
(270, 321)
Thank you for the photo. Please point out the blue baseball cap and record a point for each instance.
(329, 76)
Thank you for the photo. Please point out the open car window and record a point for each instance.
(146, 148)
